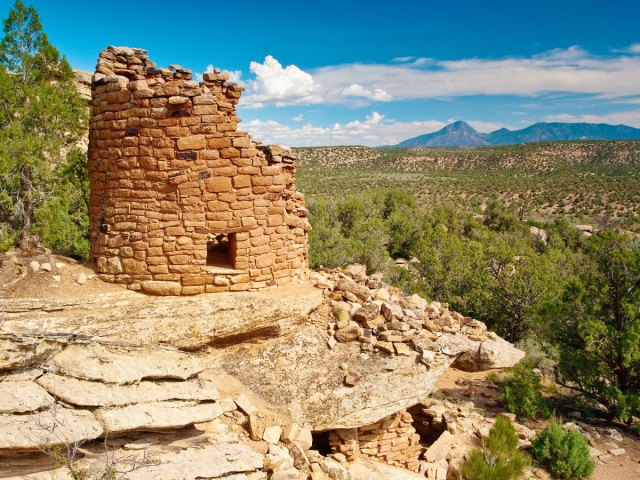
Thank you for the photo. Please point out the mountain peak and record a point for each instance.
(460, 125)
(461, 134)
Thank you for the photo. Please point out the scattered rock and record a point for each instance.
(616, 452)
(272, 434)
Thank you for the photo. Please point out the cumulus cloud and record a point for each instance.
(631, 118)
(572, 71)
(280, 85)
(357, 90)
(298, 118)
(373, 130)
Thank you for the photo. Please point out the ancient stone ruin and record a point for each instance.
(181, 201)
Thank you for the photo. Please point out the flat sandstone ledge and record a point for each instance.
(187, 323)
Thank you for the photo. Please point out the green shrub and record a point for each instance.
(522, 393)
(500, 458)
(565, 453)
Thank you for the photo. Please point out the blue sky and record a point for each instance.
(346, 72)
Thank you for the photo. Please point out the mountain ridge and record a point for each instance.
(461, 134)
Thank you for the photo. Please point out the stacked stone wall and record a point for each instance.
(172, 178)
(392, 440)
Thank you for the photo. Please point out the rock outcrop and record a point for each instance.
(241, 385)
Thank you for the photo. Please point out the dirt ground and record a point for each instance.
(485, 395)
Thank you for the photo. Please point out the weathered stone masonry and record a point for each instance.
(181, 201)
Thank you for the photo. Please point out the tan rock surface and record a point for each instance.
(95, 394)
(302, 372)
(189, 323)
(49, 427)
(221, 460)
(156, 415)
(23, 397)
(492, 353)
(112, 364)
(366, 469)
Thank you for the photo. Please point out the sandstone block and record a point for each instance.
(218, 184)
(156, 287)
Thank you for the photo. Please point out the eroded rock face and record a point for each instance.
(121, 365)
(221, 460)
(97, 394)
(156, 415)
(23, 397)
(90, 374)
(187, 323)
(342, 372)
(37, 430)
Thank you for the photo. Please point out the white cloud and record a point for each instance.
(357, 90)
(571, 70)
(631, 118)
(633, 48)
(282, 86)
(298, 118)
(374, 130)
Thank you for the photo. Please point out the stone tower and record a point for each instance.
(181, 201)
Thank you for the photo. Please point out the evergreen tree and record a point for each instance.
(598, 325)
(41, 117)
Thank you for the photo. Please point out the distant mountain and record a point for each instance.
(461, 134)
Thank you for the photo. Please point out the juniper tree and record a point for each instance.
(597, 325)
(41, 117)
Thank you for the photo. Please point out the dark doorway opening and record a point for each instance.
(321, 443)
(221, 250)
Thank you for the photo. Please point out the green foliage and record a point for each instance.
(597, 325)
(522, 393)
(63, 219)
(41, 116)
(500, 458)
(565, 453)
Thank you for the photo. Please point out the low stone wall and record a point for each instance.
(392, 440)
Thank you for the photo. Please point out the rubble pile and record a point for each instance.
(384, 319)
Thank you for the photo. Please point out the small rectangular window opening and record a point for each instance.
(221, 250)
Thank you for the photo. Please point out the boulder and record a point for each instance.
(156, 415)
(23, 397)
(95, 394)
(489, 354)
(54, 426)
(302, 372)
(440, 448)
(346, 284)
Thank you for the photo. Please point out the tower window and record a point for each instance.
(221, 251)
